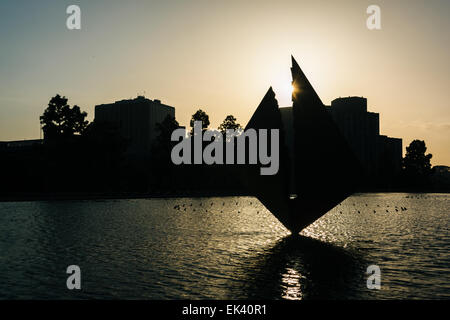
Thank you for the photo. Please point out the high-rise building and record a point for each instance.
(136, 120)
(378, 154)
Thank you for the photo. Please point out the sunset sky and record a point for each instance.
(222, 56)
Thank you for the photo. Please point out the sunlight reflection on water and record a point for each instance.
(292, 286)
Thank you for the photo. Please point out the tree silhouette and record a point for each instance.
(61, 121)
(103, 149)
(165, 129)
(161, 150)
(200, 115)
(415, 160)
(416, 164)
(105, 137)
(229, 124)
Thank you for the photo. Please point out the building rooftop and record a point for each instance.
(137, 100)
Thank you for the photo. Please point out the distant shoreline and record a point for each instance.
(25, 197)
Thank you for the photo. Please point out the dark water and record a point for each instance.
(228, 248)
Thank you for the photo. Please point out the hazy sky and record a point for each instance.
(222, 56)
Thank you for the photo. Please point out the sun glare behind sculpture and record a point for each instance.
(283, 91)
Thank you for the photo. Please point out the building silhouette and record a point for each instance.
(20, 144)
(380, 156)
(136, 120)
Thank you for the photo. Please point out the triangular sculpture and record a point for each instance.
(317, 170)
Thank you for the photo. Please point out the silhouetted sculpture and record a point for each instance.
(317, 168)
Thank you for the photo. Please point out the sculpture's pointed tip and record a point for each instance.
(270, 93)
(294, 62)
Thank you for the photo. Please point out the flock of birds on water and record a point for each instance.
(184, 206)
(379, 208)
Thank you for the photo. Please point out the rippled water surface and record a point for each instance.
(225, 248)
